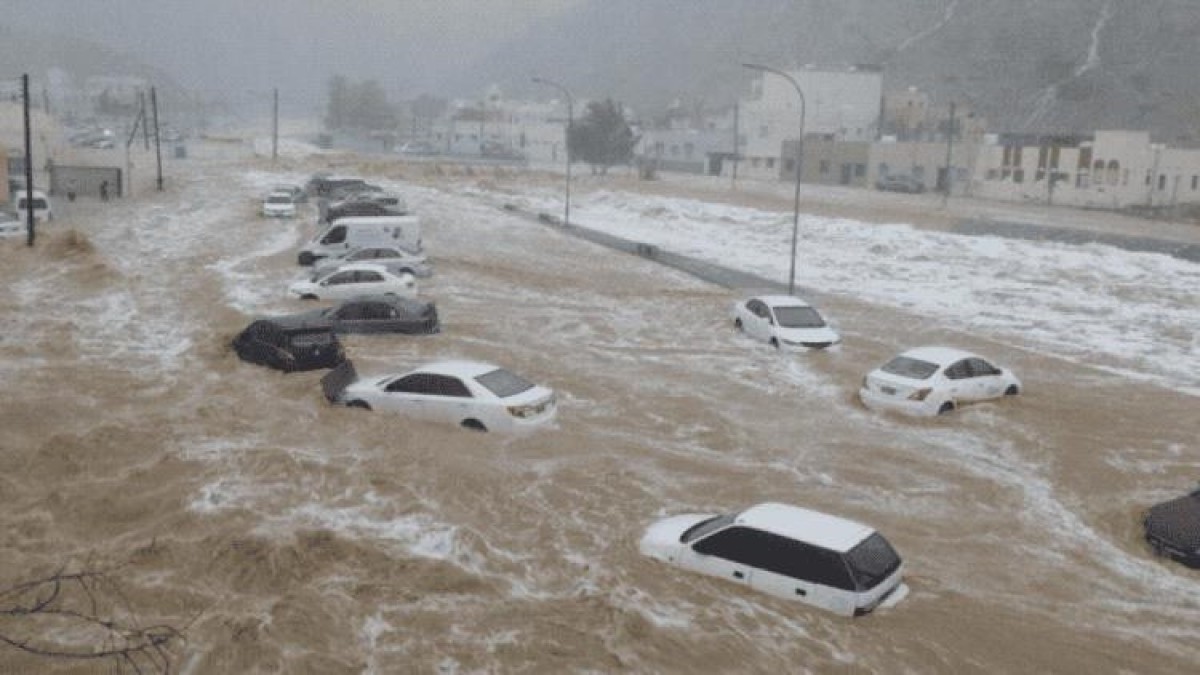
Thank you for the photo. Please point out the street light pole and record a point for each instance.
(799, 167)
(570, 123)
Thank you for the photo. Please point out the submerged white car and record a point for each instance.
(279, 205)
(784, 322)
(347, 281)
(396, 258)
(930, 381)
(471, 394)
(786, 551)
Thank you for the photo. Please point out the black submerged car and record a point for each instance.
(289, 344)
(1173, 529)
(376, 314)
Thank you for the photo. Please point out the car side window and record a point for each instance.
(336, 236)
(341, 278)
(351, 312)
(369, 277)
(959, 370)
(450, 386)
(743, 545)
(417, 383)
(377, 310)
(981, 368)
(806, 562)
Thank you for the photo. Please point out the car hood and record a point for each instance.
(1176, 522)
(807, 335)
(661, 540)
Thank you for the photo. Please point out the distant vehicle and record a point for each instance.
(419, 148)
(42, 209)
(470, 394)
(323, 184)
(289, 344)
(361, 232)
(1172, 529)
(397, 259)
(360, 207)
(347, 281)
(294, 191)
(376, 314)
(930, 381)
(900, 183)
(279, 205)
(786, 551)
(784, 321)
(11, 226)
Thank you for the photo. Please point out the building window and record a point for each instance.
(770, 162)
(883, 169)
(1149, 177)
(824, 167)
(1019, 176)
(992, 174)
(1162, 182)
(790, 166)
(1195, 182)
(1125, 177)
(860, 170)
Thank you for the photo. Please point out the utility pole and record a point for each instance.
(275, 127)
(733, 175)
(949, 149)
(145, 127)
(157, 146)
(28, 163)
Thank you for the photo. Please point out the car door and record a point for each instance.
(796, 570)
(339, 285)
(351, 317)
(726, 554)
(413, 395)
(987, 380)
(958, 381)
(759, 324)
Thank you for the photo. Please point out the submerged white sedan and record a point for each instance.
(784, 322)
(347, 281)
(470, 394)
(929, 381)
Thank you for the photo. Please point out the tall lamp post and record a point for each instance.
(799, 166)
(570, 122)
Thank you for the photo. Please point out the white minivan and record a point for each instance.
(362, 232)
(786, 551)
(41, 205)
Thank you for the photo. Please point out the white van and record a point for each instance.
(41, 205)
(361, 232)
(786, 551)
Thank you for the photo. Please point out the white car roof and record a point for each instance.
(783, 300)
(820, 529)
(362, 265)
(458, 368)
(943, 356)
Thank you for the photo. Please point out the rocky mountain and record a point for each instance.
(1038, 66)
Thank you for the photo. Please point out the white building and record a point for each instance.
(839, 103)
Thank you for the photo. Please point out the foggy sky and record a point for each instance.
(239, 46)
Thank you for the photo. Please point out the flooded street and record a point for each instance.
(291, 536)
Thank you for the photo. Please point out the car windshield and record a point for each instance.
(905, 366)
(503, 383)
(310, 338)
(798, 317)
(706, 527)
(872, 561)
(279, 199)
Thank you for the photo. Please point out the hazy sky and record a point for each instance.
(410, 46)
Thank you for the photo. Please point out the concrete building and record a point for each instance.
(1110, 170)
(839, 103)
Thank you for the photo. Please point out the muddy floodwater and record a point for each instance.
(284, 535)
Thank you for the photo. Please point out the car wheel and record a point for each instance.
(737, 323)
(946, 407)
(473, 424)
(359, 404)
(1012, 390)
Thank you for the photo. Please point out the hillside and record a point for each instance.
(1028, 65)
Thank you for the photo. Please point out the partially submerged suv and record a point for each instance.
(289, 344)
(786, 551)
(1173, 529)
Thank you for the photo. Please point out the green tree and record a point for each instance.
(602, 137)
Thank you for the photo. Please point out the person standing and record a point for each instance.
(103, 190)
